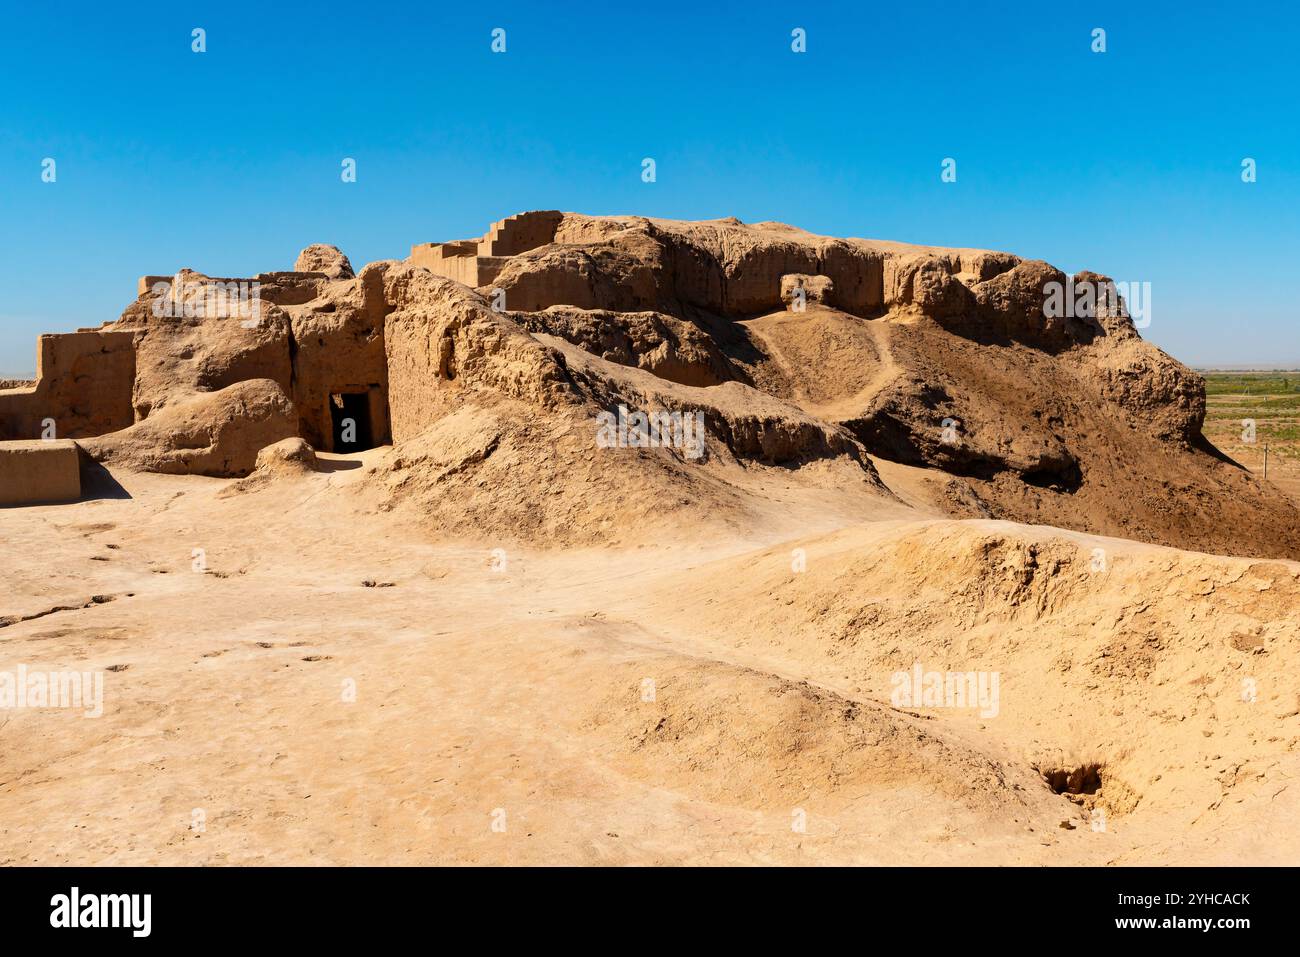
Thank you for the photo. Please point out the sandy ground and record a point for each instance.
(670, 703)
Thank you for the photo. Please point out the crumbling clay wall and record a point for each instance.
(316, 333)
(720, 266)
(442, 339)
(338, 346)
(83, 383)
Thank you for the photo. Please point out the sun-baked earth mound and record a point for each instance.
(811, 356)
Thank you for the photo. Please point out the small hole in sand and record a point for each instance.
(1085, 779)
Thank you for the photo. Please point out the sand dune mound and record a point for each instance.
(496, 470)
(1167, 670)
(747, 738)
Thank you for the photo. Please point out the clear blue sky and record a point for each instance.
(1126, 162)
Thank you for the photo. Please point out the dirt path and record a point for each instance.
(820, 391)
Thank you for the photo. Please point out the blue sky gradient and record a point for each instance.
(1126, 162)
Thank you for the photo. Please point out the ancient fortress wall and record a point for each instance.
(416, 373)
(84, 382)
(476, 262)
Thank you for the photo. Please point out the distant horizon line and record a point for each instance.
(1292, 367)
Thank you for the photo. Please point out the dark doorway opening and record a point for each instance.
(350, 414)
